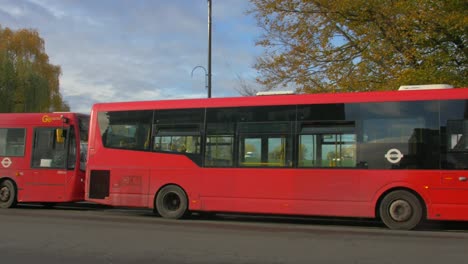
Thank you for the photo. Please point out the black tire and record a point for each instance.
(401, 210)
(7, 194)
(171, 202)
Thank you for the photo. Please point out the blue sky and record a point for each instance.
(119, 50)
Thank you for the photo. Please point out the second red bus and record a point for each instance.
(400, 156)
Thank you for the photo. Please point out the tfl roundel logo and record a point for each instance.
(6, 162)
(394, 155)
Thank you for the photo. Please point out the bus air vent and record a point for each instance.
(424, 87)
(274, 93)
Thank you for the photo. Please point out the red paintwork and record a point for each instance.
(136, 176)
(42, 184)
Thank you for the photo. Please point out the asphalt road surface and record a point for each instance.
(93, 234)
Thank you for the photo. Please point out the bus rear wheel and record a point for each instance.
(171, 202)
(7, 194)
(401, 210)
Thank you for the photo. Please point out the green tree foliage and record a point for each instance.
(28, 82)
(347, 45)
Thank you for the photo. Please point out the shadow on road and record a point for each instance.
(204, 217)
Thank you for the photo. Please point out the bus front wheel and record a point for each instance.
(171, 202)
(401, 210)
(7, 194)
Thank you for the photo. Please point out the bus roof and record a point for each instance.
(324, 98)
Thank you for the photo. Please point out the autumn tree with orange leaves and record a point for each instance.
(28, 82)
(349, 45)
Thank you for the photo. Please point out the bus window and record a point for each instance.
(219, 151)
(327, 145)
(180, 144)
(125, 129)
(12, 142)
(277, 152)
(252, 152)
(265, 151)
(127, 136)
(307, 151)
(174, 138)
(220, 131)
(47, 151)
(327, 150)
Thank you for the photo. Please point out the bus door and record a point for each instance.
(50, 163)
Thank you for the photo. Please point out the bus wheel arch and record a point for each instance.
(401, 208)
(8, 193)
(171, 201)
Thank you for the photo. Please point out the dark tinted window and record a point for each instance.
(454, 134)
(126, 129)
(267, 113)
(179, 132)
(219, 151)
(179, 116)
(221, 121)
(329, 112)
(399, 135)
(266, 127)
(221, 128)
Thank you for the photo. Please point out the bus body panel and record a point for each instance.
(449, 198)
(137, 176)
(283, 191)
(36, 182)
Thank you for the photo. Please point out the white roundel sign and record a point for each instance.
(394, 155)
(6, 162)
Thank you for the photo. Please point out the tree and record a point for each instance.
(28, 82)
(348, 45)
(7, 83)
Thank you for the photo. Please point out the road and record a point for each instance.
(82, 234)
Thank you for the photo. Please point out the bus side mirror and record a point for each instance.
(59, 138)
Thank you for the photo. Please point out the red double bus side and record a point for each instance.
(37, 178)
(126, 177)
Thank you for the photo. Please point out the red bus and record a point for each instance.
(42, 157)
(399, 156)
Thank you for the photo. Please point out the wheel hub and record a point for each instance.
(4, 194)
(171, 201)
(400, 210)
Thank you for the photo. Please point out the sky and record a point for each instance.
(130, 50)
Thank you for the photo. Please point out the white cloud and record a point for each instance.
(112, 50)
(50, 7)
(15, 11)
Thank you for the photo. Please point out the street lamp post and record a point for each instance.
(206, 77)
(209, 48)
